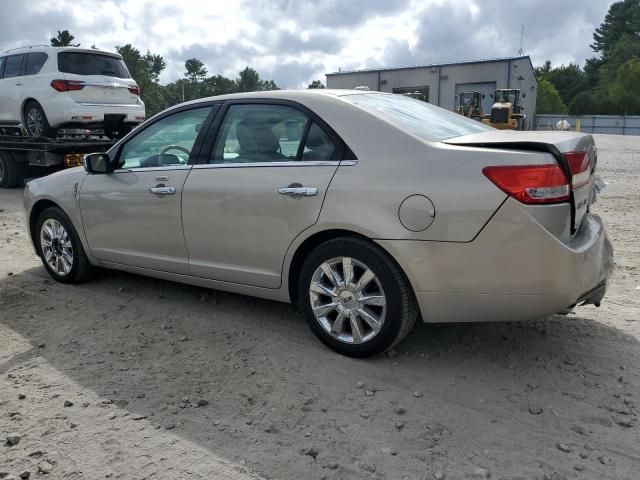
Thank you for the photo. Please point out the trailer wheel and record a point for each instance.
(12, 172)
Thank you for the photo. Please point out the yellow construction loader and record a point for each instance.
(470, 105)
(506, 112)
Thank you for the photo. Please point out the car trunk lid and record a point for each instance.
(575, 152)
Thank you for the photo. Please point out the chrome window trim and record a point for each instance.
(152, 169)
(327, 163)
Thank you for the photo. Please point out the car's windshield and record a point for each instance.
(420, 118)
(86, 63)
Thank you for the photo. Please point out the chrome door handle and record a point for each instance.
(299, 191)
(163, 190)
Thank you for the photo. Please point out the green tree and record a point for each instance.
(248, 81)
(568, 80)
(145, 70)
(622, 18)
(584, 103)
(218, 85)
(195, 70)
(63, 39)
(624, 90)
(316, 84)
(549, 100)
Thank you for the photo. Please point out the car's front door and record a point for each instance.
(264, 183)
(133, 215)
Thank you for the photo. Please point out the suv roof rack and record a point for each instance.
(26, 46)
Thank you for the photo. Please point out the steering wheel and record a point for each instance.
(176, 147)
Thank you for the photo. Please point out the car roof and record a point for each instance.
(54, 50)
(286, 94)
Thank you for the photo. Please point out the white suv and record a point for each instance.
(43, 89)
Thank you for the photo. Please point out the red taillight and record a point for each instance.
(67, 85)
(135, 90)
(580, 168)
(531, 183)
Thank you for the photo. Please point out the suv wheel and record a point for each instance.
(355, 298)
(35, 121)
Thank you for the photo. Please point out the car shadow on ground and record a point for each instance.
(270, 390)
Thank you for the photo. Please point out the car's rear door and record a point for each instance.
(263, 184)
(133, 215)
(11, 88)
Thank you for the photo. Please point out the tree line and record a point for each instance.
(609, 82)
(145, 69)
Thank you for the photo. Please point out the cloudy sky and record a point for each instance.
(296, 41)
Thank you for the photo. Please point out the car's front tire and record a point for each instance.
(60, 248)
(355, 297)
(35, 121)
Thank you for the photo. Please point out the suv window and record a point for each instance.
(35, 61)
(86, 63)
(2, 60)
(269, 133)
(166, 142)
(13, 66)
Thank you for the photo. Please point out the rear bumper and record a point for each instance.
(514, 270)
(64, 111)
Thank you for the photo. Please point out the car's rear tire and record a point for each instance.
(60, 248)
(12, 171)
(35, 121)
(355, 298)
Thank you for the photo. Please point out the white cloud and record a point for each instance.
(296, 41)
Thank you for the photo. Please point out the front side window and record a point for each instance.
(35, 61)
(422, 119)
(12, 66)
(2, 61)
(269, 133)
(86, 63)
(167, 142)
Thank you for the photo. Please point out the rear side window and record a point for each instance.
(2, 60)
(319, 146)
(85, 63)
(35, 61)
(12, 66)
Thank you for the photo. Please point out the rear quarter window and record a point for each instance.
(86, 63)
(35, 61)
(422, 119)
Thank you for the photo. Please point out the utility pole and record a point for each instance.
(521, 51)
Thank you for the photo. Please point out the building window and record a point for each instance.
(419, 93)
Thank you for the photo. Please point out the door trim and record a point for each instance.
(329, 163)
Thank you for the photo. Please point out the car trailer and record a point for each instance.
(28, 157)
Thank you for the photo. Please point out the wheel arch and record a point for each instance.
(37, 208)
(317, 238)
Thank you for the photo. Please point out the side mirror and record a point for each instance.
(491, 95)
(524, 94)
(483, 96)
(97, 163)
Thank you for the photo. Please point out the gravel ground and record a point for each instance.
(167, 381)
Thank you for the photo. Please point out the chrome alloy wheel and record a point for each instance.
(347, 300)
(56, 247)
(35, 122)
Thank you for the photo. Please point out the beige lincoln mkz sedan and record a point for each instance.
(367, 209)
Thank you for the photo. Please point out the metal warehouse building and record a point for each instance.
(440, 84)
